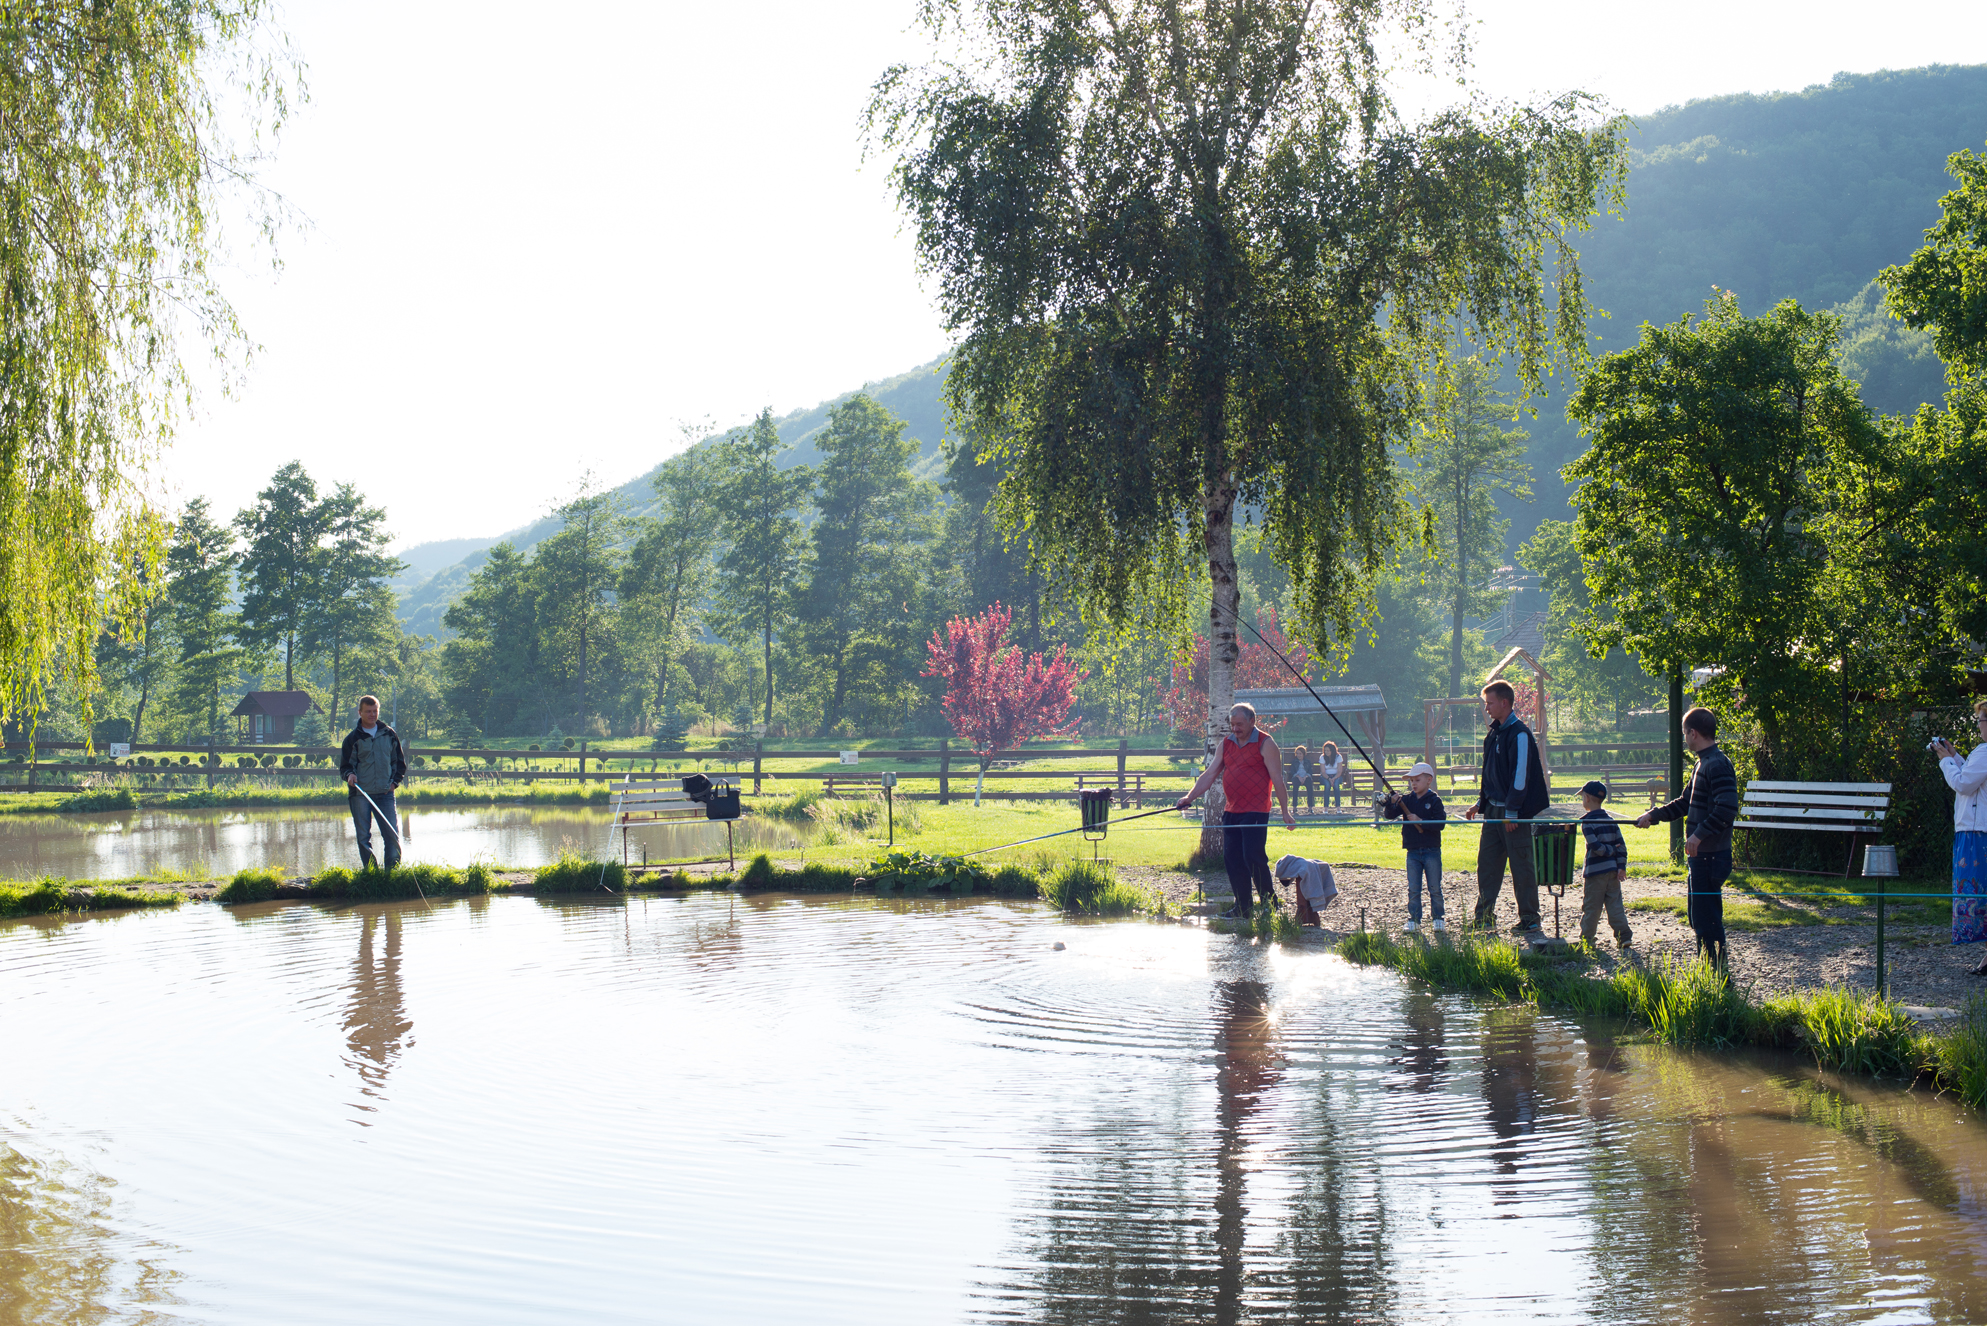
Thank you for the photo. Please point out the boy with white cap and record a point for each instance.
(1423, 841)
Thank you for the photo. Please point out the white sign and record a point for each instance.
(849, 756)
(119, 749)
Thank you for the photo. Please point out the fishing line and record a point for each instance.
(1380, 773)
(1123, 819)
(393, 829)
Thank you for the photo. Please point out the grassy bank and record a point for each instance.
(49, 897)
(1692, 1005)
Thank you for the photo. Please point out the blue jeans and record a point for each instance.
(1424, 865)
(362, 822)
(1704, 905)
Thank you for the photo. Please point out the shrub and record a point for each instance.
(1848, 1031)
(918, 872)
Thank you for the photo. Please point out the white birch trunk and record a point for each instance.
(1224, 607)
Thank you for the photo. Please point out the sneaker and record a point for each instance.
(1437, 926)
(1522, 927)
(1410, 927)
(1233, 914)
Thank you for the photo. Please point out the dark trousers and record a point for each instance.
(362, 822)
(1245, 854)
(1704, 905)
(1499, 846)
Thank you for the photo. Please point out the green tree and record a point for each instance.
(282, 555)
(670, 570)
(135, 656)
(1718, 449)
(990, 568)
(576, 571)
(351, 607)
(1944, 286)
(868, 547)
(1613, 683)
(112, 147)
(1196, 260)
(765, 546)
(1463, 460)
(491, 665)
(200, 571)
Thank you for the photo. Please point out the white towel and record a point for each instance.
(1314, 878)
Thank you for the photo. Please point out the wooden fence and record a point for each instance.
(951, 767)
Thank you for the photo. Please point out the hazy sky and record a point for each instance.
(539, 240)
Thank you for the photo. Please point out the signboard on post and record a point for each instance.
(849, 756)
(119, 749)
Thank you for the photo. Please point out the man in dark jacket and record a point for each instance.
(1511, 790)
(1708, 807)
(372, 761)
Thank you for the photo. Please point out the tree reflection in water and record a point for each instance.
(376, 1021)
(61, 1256)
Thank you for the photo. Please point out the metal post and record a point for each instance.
(890, 809)
(1883, 986)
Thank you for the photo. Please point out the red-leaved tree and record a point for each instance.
(995, 698)
(1257, 668)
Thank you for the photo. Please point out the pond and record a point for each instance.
(772, 1109)
(216, 843)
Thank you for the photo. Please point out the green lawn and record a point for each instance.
(1161, 840)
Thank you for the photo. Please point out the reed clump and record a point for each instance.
(574, 873)
(1089, 888)
(50, 896)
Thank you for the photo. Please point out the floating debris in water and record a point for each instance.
(1058, 946)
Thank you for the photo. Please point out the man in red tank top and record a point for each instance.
(1249, 767)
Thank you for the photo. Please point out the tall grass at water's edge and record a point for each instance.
(51, 896)
(1692, 1005)
(1086, 888)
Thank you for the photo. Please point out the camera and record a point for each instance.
(1933, 744)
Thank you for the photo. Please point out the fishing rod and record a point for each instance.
(1104, 824)
(387, 822)
(1377, 770)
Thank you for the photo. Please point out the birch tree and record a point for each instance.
(1196, 263)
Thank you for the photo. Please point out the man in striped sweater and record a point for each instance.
(1708, 807)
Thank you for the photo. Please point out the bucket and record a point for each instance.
(1096, 805)
(1880, 861)
(1552, 854)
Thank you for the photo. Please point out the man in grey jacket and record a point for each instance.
(372, 761)
(1708, 807)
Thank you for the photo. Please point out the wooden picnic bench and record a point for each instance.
(1856, 809)
(640, 801)
(1130, 787)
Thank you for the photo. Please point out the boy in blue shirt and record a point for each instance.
(1606, 864)
(1423, 842)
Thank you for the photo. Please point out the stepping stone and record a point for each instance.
(1927, 1012)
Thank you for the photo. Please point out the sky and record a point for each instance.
(528, 250)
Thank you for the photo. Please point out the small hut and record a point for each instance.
(270, 716)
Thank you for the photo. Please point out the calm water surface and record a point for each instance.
(780, 1110)
(115, 845)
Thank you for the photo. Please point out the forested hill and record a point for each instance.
(1803, 195)
(437, 572)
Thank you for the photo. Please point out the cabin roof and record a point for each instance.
(275, 704)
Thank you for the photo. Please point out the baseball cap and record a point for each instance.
(1597, 788)
(1421, 767)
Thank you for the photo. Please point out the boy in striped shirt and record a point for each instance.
(1607, 862)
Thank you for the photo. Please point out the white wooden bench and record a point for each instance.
(1856, 809)
(639, 801)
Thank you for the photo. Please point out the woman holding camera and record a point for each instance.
(1968, 780)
